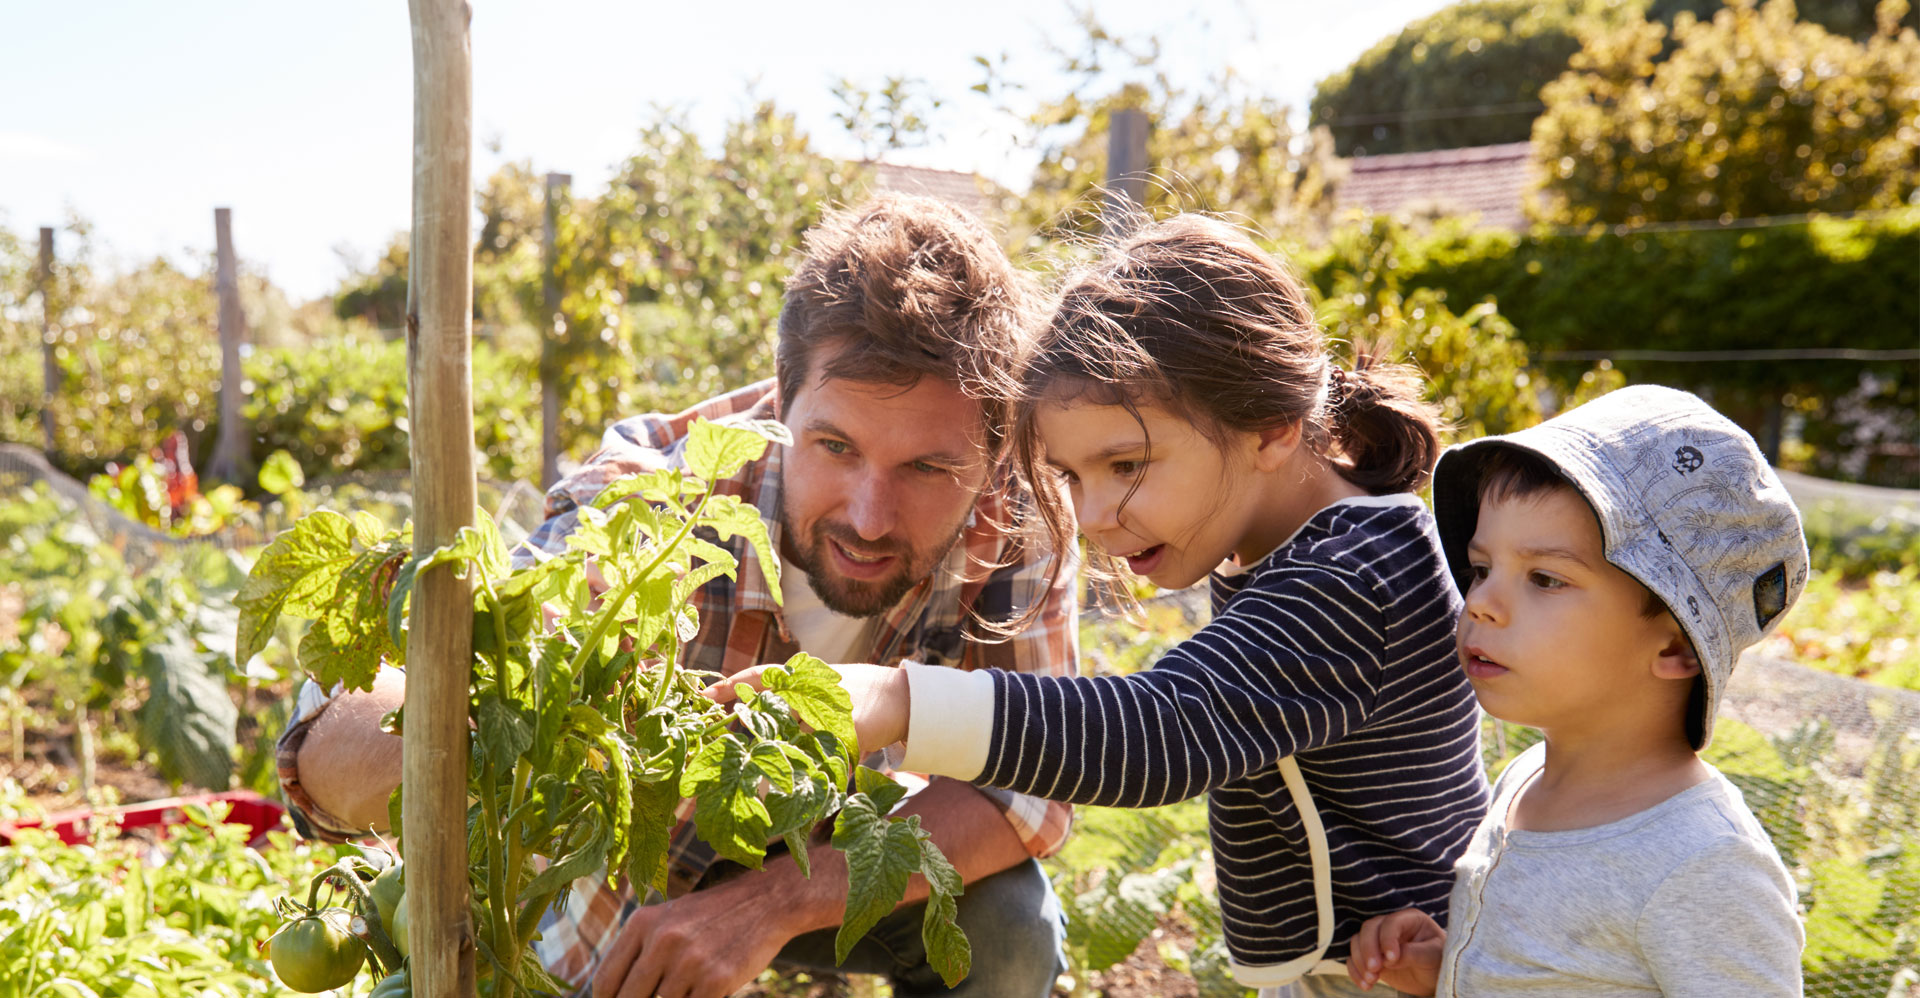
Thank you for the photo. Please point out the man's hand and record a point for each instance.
(881, 703)
(1401, 950)
(705, 944)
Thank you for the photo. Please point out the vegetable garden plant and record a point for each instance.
(586, 732)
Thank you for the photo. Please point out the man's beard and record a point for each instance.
(851, 597)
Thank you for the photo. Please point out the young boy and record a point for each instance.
(1616, 559)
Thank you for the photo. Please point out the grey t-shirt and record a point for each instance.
(1687, 898)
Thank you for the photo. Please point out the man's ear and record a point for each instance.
(1676, 660)
(1276, 445)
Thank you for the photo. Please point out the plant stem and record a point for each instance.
(611, 610)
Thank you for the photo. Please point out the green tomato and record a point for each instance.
(396, 985)
(389, 891)
(317, 952)
(397, 929)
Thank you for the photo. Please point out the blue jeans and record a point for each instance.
(1012, 920)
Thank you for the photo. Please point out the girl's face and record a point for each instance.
(1174, 512)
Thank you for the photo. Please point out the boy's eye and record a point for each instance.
(1545, 581)
(927, 469)
(1477, 573)
(1127, 469)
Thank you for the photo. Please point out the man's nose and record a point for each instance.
(872, 507)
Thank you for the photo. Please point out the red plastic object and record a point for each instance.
(260, 814)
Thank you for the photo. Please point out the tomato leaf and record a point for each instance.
(295, 575)
(881, 855)
(728, 813)
(717, 450)
(812, 688)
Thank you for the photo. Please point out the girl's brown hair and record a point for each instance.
(1191, 315)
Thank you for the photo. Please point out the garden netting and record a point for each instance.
(1831, 766)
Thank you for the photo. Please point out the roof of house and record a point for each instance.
(1489, 180)
(969, 191)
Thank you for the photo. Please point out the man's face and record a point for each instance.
(878, 485)
(1553, 635)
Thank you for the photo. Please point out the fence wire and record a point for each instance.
(1831, 766)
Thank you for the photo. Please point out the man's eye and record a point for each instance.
(928, 469)
(835, 446)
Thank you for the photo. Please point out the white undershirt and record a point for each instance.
(818, 630)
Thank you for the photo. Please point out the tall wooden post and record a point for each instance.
(230, 449)
(440, 405)
(557, 184)
(49, 368)
(1126, 169)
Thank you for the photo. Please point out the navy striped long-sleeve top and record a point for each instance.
(1337, 649)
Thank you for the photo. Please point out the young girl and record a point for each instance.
(1182, 402)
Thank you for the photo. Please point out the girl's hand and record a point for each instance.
(881, 704)
(1401, 950)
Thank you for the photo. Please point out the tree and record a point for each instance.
(897, 114)
(1222, 148)
(1469, 75)
(1472, 73)
(1754, 113)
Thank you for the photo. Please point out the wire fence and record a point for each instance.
(1831, 765)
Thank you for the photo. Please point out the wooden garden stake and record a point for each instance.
(230, 448)
(549, 349)
(49, 367)
(1126, 169)
(440, 408)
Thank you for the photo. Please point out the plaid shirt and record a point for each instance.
(740, 626)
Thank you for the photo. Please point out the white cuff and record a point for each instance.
(950, 721)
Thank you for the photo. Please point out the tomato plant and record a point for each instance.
(587, 734)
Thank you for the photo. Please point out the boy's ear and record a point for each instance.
(1276, 445)
(1676, 660)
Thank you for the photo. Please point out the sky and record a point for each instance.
(142, 117)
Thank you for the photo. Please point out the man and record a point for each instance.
(892, 515)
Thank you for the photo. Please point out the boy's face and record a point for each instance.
(1553, 635)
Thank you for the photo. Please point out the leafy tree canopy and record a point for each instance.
(1754, 113)
(1472, 73)
(1221, 147)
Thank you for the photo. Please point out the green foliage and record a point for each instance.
(1856, 19)
(101, 630)
(1838, 284)
(339, 405)
(1475, 363)
(1857, 545)
(1472, 74)
(893, 115)
(1862, 629)
(1222, 148)
(103, 919)
(1407, 93)
(1754, 113)
(587, 733)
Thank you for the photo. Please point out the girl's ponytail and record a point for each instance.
(1377, 418)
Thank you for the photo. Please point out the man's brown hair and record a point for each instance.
(910, 287)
